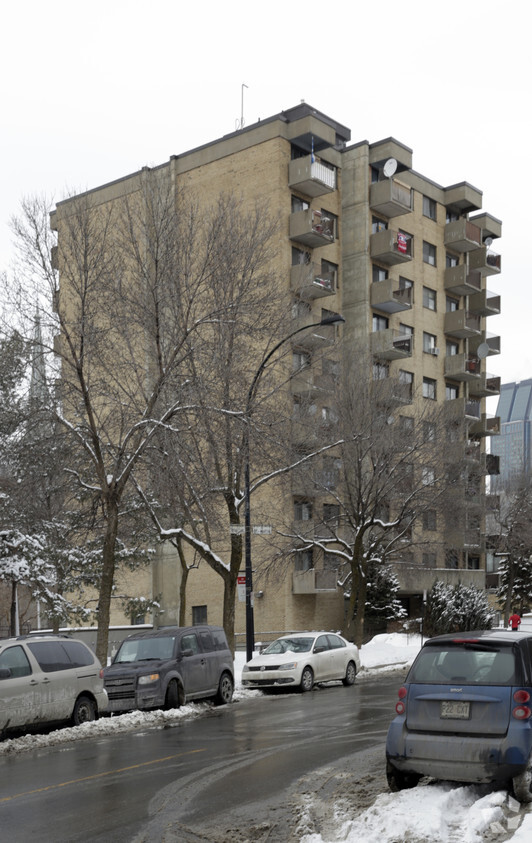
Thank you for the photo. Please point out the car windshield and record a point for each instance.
(466, 664)
(289, 645)
(145, 649)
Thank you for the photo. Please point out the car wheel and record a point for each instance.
(522, 784)
(174, 695)
(398, 780)
(224, 695)
(307, 679)
(84, 711)
(350, 674)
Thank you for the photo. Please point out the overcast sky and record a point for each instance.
(92, 91)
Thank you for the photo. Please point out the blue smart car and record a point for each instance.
(465, 713)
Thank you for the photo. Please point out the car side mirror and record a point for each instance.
(320, 649)
(189, 652)
(5, 673)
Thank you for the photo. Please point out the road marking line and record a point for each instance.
(99, 775)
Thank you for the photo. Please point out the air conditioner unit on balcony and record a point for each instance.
(434, 351)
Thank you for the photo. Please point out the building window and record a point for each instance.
(378, 225)
(451, 559)
(330, 223)
(451, 260)
(429, 431)
(406, 379)
(329, 271)
(429, 298)
(450, 304)
(302, 510)
(303, 560)
(429, 343)
(428, 476)
(299, 204)
(374, 174)
(429, 560)
(429, 519)
(300, 309)
(429, 388)
(380, 323)
(451, 348)
(331, 513)
(451, 216)
(451, 392)
(405, 283)
(407, 330)
(300, 360)
(380, 370)
(379, 274)
(300, 256)
(429, 253)
(199, 615)
(429, 208)
(473, 563)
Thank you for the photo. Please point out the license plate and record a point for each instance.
(455, 710)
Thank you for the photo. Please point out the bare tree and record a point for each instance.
(366, 494)
(139, 305)
(514, 547)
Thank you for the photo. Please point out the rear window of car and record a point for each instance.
(51, 656)
(468, 665)
(220, 641)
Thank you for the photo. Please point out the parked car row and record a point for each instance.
(52, 678)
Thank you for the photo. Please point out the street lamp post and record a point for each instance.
(250, 624)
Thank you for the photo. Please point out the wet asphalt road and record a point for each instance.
(132, 786)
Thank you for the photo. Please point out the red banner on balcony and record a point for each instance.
(401, 243)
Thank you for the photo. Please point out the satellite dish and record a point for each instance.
(389, 167)
(483, 350)
(488, 241)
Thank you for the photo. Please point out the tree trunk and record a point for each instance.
(229, 610)
(182, 585)
(13, 612)
(106, 585)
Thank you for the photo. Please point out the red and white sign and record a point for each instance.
(241, 588)
(401, 243)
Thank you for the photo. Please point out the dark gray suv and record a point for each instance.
(170, 666)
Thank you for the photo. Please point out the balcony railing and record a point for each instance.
(461, 323)
(312, 581)
(485, 303)
(312, 228)
(311, 176)
(391, 344)
(462, 367)
(486, 426)
(309, 282)
(388, 296)
(485, 261)
(391, 198)
(391, 247)
(485, 386)
(487, 343)
(462, 235)
(461, 281)
(317, 336)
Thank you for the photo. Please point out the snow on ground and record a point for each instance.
(435, 812)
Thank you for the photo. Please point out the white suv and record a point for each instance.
(46, 679)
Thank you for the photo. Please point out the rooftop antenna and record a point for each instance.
(239, 124)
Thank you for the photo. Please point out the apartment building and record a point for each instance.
(406, 262)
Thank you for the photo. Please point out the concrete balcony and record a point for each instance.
(311, 176)
(486, 426)
(313, 581)
(389, 297)
(462, 198)
(458, 409)
(312, 228)
(460, 281)
(462, 367)
(391, 247)
(417, 579)
(487, 343)
(485, 386)
(485, 261)
(302, 383)
(318, 336)
(391, 344)
(308, 282)
(391, 198)
(462, 236)
(461, 324)
(485, 303)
